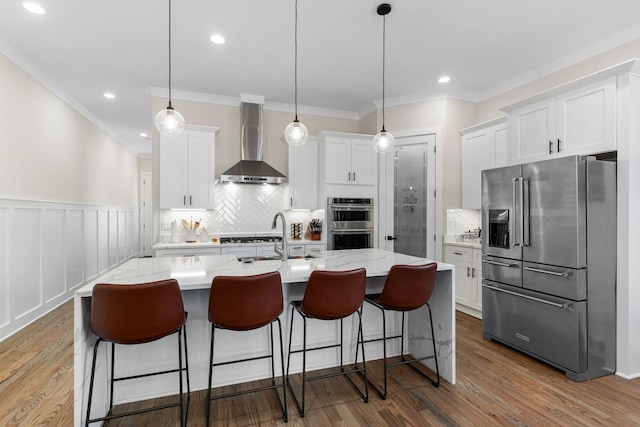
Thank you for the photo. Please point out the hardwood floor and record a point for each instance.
(496, 386)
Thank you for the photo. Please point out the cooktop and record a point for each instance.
(250, 239)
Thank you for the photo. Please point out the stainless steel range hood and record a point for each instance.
(251, 169)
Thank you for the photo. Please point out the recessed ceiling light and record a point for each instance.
(34, 8)
(217, 39)
(144, 135)
(444, 79)
(109, 95)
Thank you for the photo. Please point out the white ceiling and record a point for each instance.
(83, 48)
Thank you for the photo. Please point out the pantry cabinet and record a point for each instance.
(468, 270)
(484, 146)
(347, 158)
(577, 121)
(187, 169)
(303, 175)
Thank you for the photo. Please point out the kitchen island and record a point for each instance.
(195, 274)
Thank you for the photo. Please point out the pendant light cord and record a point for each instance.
(384, 39)
(170, 54)
(295, 67)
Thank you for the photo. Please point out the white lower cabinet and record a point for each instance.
(300, 249)
(265, 250)
(239, 251)
(468, 267)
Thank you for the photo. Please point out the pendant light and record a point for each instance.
(168, 121)
(296, 133)
(383, 141)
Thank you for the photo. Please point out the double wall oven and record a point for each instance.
(349, 223)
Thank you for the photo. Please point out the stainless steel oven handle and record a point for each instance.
(335, 208)
(501, 264)
(553, 273)
(351, 231)
(554, 304)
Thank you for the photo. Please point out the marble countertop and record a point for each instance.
(197, 272)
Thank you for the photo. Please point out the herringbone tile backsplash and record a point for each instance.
(241, 208)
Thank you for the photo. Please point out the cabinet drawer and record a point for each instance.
(296, 250)
(455, 254)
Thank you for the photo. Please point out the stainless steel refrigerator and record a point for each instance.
(549, 262)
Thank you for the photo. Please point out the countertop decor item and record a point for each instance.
(383, 141)
(168, 121)
(314, 229)
(296, 133)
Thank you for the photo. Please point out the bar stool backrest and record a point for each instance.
(334, 294)
(408, 286)
(136, 313)
(242, 303)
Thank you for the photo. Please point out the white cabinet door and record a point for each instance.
(533, 131)
(201, 174)
(586, 121)
(476, 156)
(187, 170)
(363, 162)
(303, 175)
(174, 154)
(338, 161)
(500, 145)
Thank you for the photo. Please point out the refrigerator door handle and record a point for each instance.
(553, 273)
(500, 264)
(544, 301)
(512, 218)
(524, 204)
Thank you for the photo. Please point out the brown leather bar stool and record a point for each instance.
(330, 295)
(245, 303)
(139, 314)
(407, 288)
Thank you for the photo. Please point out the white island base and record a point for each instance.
(195, 275)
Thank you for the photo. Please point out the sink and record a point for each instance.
(250, 259)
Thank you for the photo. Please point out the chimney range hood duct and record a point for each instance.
(251, 169)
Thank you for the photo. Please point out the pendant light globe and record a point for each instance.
(383, 142)
(296, 133)
(169, 122)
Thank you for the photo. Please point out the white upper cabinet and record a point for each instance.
(484, 146)
(579, 120)
(187, 170)
(347, 158)
(303, 175)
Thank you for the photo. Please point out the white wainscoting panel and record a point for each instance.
(24, 261)
(74, 249)
(47, 250)
(53, 259)
(90, 244)
(4, 268)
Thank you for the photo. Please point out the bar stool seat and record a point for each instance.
(245, 303)
(138, 314)
(330, 295)
(407, 288)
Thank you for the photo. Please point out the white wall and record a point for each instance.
(68, 198)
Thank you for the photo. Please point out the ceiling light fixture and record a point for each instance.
(383, 141)
(109, 95)
(217, 39)
(168, 121)
(444, 79)
(34, 8)
(296, 133)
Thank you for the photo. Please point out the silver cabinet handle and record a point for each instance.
(554, 304)
(473, 272)
(457, 253)
(349, 176)
(354, 176)
(559, 144)
(550, 147)
(184, 200)
(501, 264)
(553, 273)
(190, 201)
(468, 272)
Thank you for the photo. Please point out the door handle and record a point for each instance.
(553, 273)
(501, 264)
(555, 304)
(512, 219)
(391, 238)
(526, 225)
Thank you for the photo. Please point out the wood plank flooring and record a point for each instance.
(496, 386)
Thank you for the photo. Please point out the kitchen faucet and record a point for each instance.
(282, 251)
